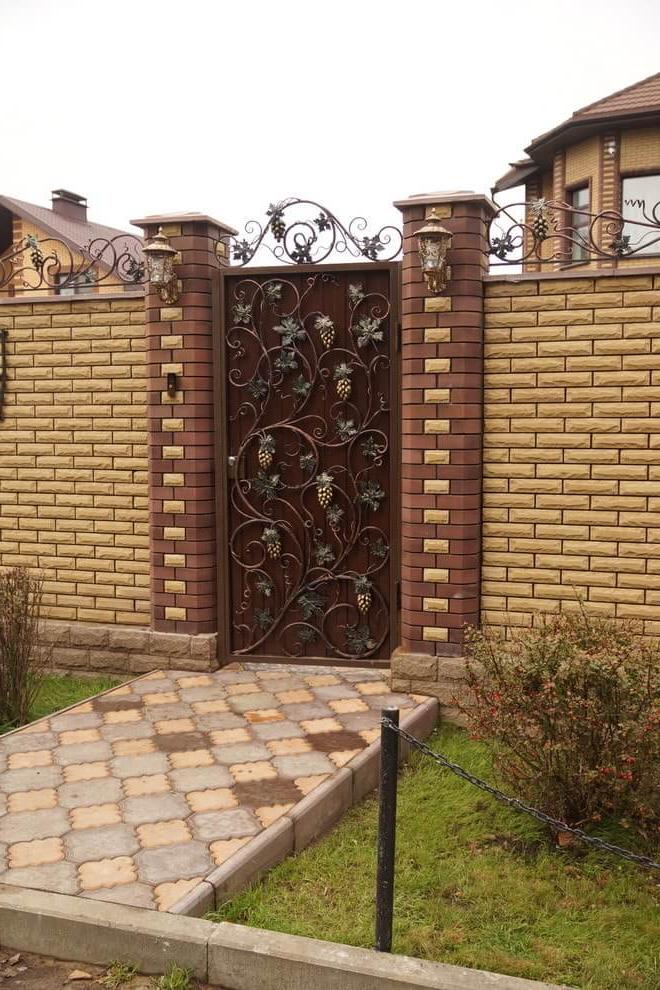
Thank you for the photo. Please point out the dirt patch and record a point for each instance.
(24, 971)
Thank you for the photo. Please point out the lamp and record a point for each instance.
(160, 255)
(434, 241)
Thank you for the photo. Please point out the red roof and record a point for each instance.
(640, 96)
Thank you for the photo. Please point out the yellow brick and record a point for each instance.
(435, 574)
(436, 604)
(436, 546)
(173, 480)
(437, 335)
(441, 211)
(436, 395)
(436, 457)
(436, 486)
(438, 635)
(172, 453)
(175, 613)
(174, 533)
(171, 425)
(438, 516)
(171, 313)
(177, 587)
(440, 365)
(436, 426)
(437, 304)
(174, 506)
(167, 369)
(174, 560)
(171, 341)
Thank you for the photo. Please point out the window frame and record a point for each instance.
(639, 173)
(569, 192)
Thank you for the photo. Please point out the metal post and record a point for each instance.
(389, 766)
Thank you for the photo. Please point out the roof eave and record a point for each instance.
(542, 146)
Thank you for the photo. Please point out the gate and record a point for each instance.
(308, 466)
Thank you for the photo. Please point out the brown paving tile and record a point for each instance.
(138, 786)
(215, 799)
(107, 873)
(95, 816)
(254, 794)
(331, 742)
(345, 705)
(110, 704)
(191, 758)
(85, 771)
(174, 725)
(204, 707)
(220, 737)
(167, 894)
(343, 757)
(170, 833)
(243, 772)
(161, 698)
(32, 800)
(261, 715)
(316, 726)
(179, 742)
(307, 784)
(26, 761)
(293, 697)
(372, 687)
(269, 814)
(133, 747)
(223, 849)
(286, 747)
(35, 853)
(75, 736)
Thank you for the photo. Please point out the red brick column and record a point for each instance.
(181, 432)
(442, 408)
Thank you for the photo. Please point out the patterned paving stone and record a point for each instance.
(133, 797)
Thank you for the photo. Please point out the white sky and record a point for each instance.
(150, 106)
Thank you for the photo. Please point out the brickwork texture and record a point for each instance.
(73, 455)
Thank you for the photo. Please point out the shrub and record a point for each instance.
(22, 662)
(574, 709)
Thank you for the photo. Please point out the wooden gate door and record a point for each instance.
(309, 462)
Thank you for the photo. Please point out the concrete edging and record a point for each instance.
(238, 958)
(306, 821)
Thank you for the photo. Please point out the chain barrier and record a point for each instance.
(520, 806)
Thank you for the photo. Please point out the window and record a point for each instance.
(76, 286)
(580, 223)
(640, 202)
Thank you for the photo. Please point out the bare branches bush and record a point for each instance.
(22, 661)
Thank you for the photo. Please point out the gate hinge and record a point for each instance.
(398, 595)
(399, 334)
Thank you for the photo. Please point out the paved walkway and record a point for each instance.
(136, 795)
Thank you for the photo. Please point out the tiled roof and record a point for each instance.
(75, 233)
(640, 96)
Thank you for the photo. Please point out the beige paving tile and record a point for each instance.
(224, 848)
(307, 784)
(216, 799)
(133, 747)
(372, 687)
(344, 706)
(85, 771)
(26, 761)
(250, 687)
(120, 691)
(197, 680)
(35, 853)
(123, 718)
(154, 784)
(318, 725)
(174, 725)
(107, 873)
(95, 816)
(288, 747)
(32, 800)
(191, 758)
(344, 756)
(208, 707)
(161, 698)
(321, 680)
(245, 772)
(167, 894)
(221, 737)
(262, 715)
(369, 735)
(74, 736)
(294, 697)
(170, 833)
(269, 814)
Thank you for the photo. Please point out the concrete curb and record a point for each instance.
(232, 956)
(305, 822)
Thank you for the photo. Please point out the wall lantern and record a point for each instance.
(160, 256)
(434, 241)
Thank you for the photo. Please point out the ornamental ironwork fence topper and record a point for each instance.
(303, 232)
(556, 232)
(48, 264)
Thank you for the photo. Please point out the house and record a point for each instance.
(59, 250)
(605, 159)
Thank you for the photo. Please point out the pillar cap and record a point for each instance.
(161, 218)
(447, 196)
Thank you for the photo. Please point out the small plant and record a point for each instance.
(326, 330)
(266, 451)
(342, 375)
(22, 661)
(324, 489)
(573, 707)
(363, 593)
(118, 974)
(176, 978)
(272, 541)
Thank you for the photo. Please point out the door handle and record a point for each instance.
(232, 464)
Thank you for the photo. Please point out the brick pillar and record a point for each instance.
(442, 404)
(181, 432)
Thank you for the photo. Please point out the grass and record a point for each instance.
(476, 885)
(176, 978)
(60, 691)
(118, 975)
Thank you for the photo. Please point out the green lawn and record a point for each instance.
(476, 885)
(61, 691)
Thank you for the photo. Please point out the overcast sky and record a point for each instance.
(151, 106)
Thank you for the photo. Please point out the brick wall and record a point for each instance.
(572, 447)
(73, 455)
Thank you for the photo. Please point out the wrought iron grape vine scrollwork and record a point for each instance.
(303, 232)
(48, 264)
(308, 407)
